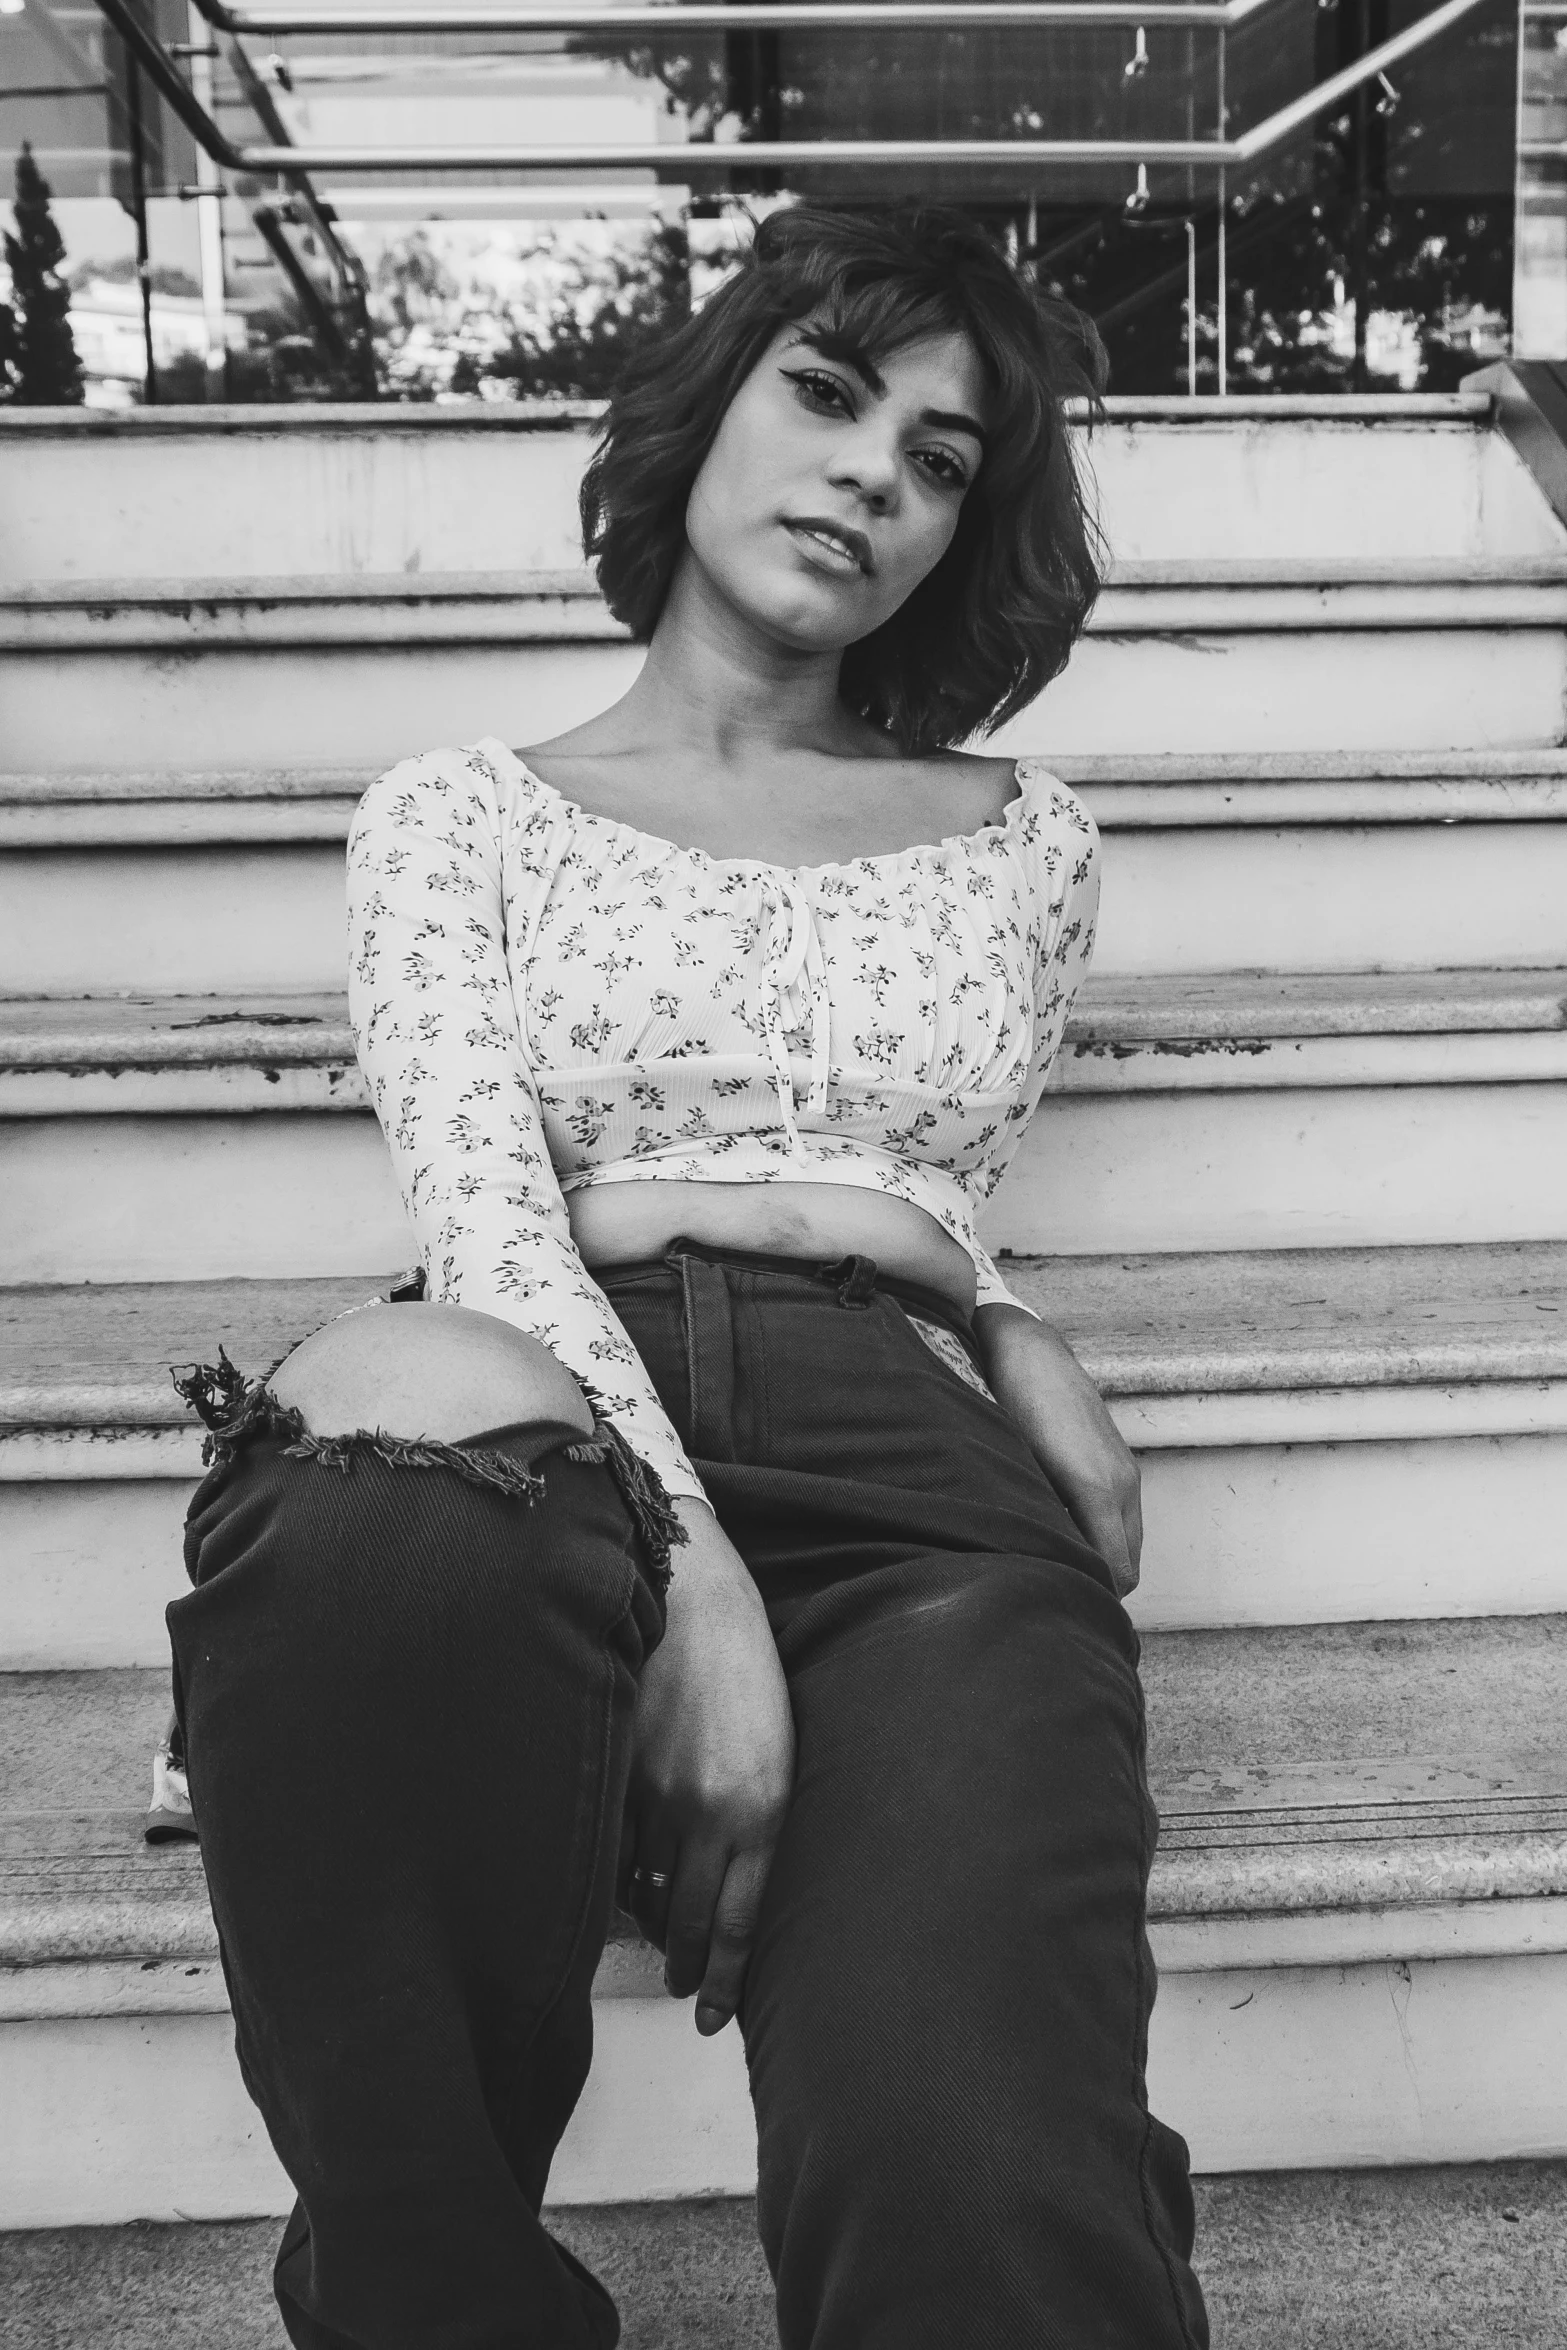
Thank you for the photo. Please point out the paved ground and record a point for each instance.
(1464, 2259)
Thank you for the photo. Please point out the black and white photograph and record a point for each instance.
(783, 1175)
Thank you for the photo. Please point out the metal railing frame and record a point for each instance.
(711, 16)
(1222, 155)
(1218, 154)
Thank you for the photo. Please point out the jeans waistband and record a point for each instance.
(855, 1278)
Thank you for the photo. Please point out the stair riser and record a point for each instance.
(1320, 898)
(113, 2119)
(361, 706)
(440, 498)
(174, 1198)
(1235, 1534)
(1317, 898)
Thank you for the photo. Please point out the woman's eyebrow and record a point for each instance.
(955, 421)
(848, 354)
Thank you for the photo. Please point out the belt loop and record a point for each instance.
(856, 1279)
(710, 1354)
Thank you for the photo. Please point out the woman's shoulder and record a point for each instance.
(456, 786)
(1051, 804)
(990, 790)
(454, 769)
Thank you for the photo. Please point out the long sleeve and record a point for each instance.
(442, 1051)
(1060, 842)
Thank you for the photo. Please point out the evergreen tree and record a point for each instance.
(41, 365)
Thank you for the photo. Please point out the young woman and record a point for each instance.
(730, 1541)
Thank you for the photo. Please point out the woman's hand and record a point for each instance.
(712, 1767)
(1040, 1384)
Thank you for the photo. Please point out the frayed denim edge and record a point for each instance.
(235, 1410)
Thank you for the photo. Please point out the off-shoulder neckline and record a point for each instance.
(1024, 772)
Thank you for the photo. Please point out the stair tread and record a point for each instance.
(1546, 762)
(1301, 1767)
(98, 1355)
(223, 419)
(153, 1031)
(578, 584)
(325, 613)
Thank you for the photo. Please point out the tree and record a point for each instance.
(41, 362)
(575, 348)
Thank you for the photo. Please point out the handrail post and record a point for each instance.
(138, 139)
(1222, 376)
(1191, 307)
(209, 221)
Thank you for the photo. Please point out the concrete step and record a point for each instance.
(1135, 792)
(1304, 861)
(1326, 1435)
(1185, 1113)
(1194, 655)
(1436, 2259)
(1228, 1032)
(1359, 1912)
(438, 489)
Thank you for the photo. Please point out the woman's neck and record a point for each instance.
(732, 697)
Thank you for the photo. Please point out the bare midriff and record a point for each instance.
(626, 1223)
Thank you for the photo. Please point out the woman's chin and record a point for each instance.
(810, 615)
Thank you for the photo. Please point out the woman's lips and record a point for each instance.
(827, 549)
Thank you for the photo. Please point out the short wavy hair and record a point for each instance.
(998, 616)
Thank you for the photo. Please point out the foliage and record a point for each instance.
(575, 347)
(567, 336)
(39, 367)
(1438, 269)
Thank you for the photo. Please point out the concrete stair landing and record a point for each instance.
(1437, 2259)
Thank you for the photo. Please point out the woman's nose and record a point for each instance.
(866, 462)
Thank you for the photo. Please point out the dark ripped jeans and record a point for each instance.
(407, 1701)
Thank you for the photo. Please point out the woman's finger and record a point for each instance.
(704, 1862)
(735, 1918)
(1098, 1513)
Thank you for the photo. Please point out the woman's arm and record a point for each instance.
(1033, 1373)
(441, 1047)
(1041, 1385)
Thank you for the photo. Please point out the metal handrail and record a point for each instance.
(172, 87)
(749, 154)
(160, 69)
(709, 16)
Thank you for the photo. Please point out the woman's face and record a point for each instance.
(834, 483)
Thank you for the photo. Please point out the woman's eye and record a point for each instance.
(825, 389)
(947, 468)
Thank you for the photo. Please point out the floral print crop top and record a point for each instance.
(544, 999)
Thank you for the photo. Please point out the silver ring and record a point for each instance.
(654, 1877)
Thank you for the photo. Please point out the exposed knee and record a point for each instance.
(439, 1372)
